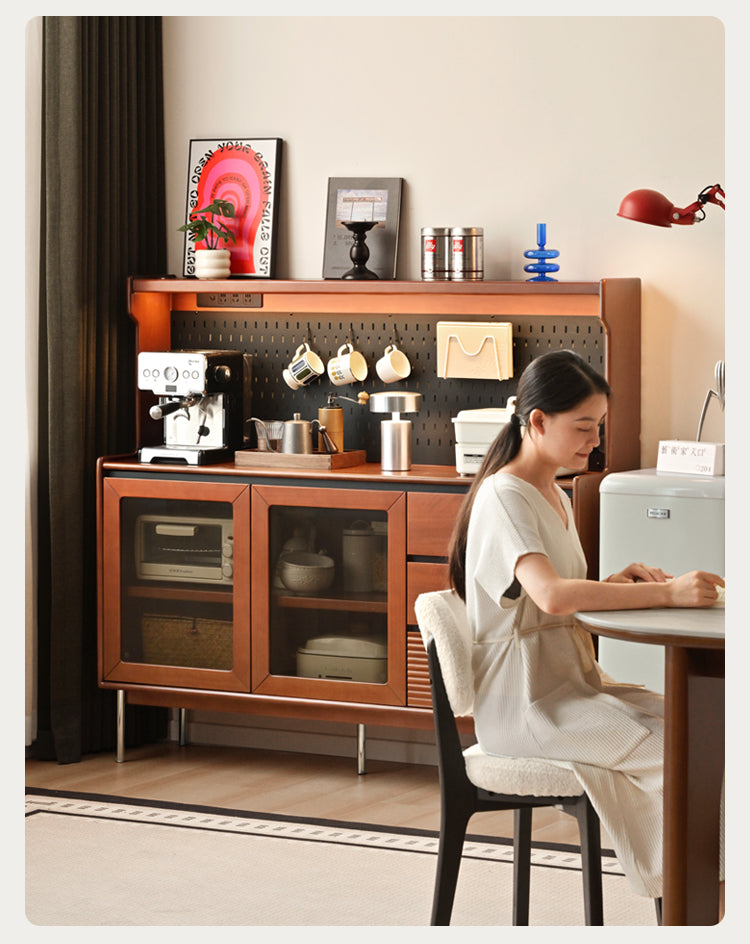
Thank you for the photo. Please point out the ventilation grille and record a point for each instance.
(272, 343)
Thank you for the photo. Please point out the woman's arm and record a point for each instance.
(560, 596)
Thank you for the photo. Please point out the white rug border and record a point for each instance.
(186, 816)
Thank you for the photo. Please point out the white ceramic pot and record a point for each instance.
(212, 263)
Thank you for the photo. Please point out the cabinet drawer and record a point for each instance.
(430, 518)
(423, 578)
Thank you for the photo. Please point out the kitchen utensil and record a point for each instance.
(395, 433)
(393, 365)
(296, 436)
(331, 417)
(348, 365)
(359, 543)
(304, 571)
(304, 367)
(269, 434)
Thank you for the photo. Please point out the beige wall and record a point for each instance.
(500, 122)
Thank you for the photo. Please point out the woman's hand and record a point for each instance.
(696, 588)
(635, 573)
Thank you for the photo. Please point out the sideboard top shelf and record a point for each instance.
(352, 287)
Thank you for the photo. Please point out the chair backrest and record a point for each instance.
(442, 622)
(441, 616)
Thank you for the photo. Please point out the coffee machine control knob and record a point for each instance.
(222, 374)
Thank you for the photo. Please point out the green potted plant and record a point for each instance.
(207, 226)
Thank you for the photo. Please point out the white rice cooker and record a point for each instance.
(352, 658)
(475, 431)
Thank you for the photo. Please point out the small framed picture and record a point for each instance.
(245, 172)
(362, 199)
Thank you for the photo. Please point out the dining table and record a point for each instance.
(693, 640)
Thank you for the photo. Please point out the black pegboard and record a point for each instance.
(272, 342)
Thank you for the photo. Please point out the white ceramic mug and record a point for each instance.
(348, 366)
(304, 367)
(393, 365)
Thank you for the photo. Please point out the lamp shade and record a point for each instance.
(647, 206)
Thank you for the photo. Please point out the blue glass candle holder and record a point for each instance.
(541, 267)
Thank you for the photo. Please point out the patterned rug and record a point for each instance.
(103, 861)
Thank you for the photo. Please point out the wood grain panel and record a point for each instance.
(422, 578)
(430, 520)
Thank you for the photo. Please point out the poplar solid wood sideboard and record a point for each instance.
(226, 634)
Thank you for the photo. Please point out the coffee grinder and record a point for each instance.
(203, 397)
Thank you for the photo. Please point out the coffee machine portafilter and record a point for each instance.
(203, 397)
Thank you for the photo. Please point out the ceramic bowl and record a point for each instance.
(306, 572)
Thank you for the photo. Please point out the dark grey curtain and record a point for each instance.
(103, 218)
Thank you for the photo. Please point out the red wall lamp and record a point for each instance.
(649, 206)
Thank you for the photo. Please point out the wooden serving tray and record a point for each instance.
(260, 459)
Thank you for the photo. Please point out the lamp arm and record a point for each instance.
(713, 194)
(695, 212)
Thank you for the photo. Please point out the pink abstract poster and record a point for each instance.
(244, 172)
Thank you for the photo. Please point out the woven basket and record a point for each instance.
(178, 640)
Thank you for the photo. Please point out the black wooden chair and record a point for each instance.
(472, 781)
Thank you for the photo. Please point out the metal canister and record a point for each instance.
(467, 253)
(435, 253)
(357, 551)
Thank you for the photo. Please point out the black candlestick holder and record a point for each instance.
(359, 253)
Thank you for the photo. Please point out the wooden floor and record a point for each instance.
(308, 785)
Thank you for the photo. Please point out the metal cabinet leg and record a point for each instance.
(361, 749)
(182, 727)
(120, 722)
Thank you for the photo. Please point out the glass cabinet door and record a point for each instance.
(175, 584)
(329, 593)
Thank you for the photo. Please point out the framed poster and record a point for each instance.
(351, 199)
(246, 172)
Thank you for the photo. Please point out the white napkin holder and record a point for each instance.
(477, 350)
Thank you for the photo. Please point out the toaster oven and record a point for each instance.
(193, 549)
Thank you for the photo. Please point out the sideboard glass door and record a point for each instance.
(325, 623)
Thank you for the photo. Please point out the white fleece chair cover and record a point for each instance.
(442, 616)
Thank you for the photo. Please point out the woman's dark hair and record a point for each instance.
(554, 383)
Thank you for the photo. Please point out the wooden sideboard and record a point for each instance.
(243, 635)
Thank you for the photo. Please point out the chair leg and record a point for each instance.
(521, 865)
(657, 904)
(452, 834)
(591, 861)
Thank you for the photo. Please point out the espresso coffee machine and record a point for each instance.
(203, 397)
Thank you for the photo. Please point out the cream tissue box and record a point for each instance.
(697, 458)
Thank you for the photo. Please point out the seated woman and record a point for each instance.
(517, 562)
